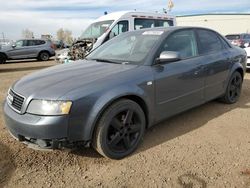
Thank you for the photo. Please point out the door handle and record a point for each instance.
(199, 69)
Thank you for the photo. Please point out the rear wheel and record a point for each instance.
(43, 56)
(119, 130)
(2, 59)
(233, 89)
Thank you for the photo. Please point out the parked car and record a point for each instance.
(113, 24)
(239, 39)
(124, 87)
(247, 48)
(28, 49)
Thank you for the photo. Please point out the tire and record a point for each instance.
(44, 56)
(2, 59)
(119, 130)
(233, 89)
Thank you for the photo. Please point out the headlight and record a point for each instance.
(46, 107)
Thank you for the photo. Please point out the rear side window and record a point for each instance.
(246, 37)
(233, 37)
(35, 42)
(141, 23)
(209, 42)
(163, 23)
(40, 42)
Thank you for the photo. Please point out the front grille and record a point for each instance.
(17, 100)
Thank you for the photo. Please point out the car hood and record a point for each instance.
(54, 82)
(5, 47)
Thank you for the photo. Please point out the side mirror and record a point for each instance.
(168, 56)
(13, 46)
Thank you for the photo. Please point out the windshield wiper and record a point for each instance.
(105, 60)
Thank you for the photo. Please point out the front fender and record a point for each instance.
(106, 99)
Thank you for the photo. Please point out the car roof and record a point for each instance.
(172, 28)
(125, 14)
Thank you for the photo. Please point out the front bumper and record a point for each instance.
(45, 131)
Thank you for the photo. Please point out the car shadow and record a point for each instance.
(191, 120)
(181, 124)
(86, 152)
(7, 165)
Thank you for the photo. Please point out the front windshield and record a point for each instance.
(96, 29)
(126, 48)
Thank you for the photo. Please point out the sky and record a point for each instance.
(47, 16)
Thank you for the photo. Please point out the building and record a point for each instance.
(46, 36)
(223, 23)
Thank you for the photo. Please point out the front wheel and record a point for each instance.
(233, 89)
(2, 59)
(120, 129)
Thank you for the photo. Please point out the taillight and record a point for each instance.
(53, 46)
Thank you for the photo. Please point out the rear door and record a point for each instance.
(34, 47)
(217, 62)
(179, 85)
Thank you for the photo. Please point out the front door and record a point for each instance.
(179, 85)
(19, 51)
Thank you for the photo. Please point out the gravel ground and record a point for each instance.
(208, 146)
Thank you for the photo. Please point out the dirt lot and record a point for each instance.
(208, 146)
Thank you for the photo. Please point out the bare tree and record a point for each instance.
(60, 34)
(27, 34)
(64, 35)
(68, 36)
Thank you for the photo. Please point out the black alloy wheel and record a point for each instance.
(233, 89)
(2, 59)
(44, 56)
(120, 129)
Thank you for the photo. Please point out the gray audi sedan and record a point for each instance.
(125, 86)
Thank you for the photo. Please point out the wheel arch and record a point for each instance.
(236, 67)
(131, 96)
(4, 54)
(241, 71)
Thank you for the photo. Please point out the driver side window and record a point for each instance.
(20, 43)
(119, 28)
(183, 42)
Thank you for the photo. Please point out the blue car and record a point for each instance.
(122, 88)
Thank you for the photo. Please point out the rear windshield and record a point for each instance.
(233, 37)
